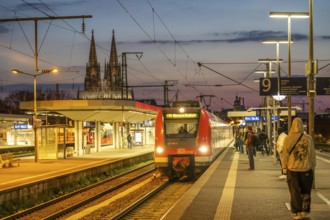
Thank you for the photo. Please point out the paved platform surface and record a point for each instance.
(30, 171)
(228, 190)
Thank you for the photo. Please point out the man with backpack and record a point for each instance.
(251, 143)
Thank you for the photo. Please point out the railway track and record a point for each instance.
(157, 203)
(66, 204)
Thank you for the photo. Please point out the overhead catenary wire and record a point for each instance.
(173, 63)
(74, 31)
(155, 14)
(152, 40)
(49, 25)
(161, 20)
(217, 72)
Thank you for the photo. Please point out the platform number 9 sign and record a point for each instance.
(267, 85)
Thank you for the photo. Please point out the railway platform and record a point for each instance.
(30, 171)
(228, 190)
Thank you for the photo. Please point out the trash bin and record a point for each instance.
(87, 149)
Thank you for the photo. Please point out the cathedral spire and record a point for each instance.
(113, 52)
(92, 52)
(112, 73)
(92, 78)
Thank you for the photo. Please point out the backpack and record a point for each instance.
(255, 140)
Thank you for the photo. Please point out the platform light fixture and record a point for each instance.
(289, 15)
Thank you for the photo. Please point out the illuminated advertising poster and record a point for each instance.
(47, 144)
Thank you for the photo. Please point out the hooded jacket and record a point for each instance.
(302, 157)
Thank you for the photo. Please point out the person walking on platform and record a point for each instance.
(279, 146)
(298, 159)
(250, 147)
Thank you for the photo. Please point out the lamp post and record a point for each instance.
(35, 113)
(278, 73)
(277, 97)
(311, 92)
(268, 63)
(289, 15)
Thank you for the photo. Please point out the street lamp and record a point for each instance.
(268, 62)
(311, 92)
(277, 97)
(267, 73)
(278, 73)
(289, 15)
(35, 114)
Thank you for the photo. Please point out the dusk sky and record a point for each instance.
(174, 35)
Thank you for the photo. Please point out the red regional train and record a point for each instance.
(188, 138)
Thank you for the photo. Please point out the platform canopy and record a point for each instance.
(97, 110)
(7, 120)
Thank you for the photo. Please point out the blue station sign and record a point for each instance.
(21, 126)
(251, 118)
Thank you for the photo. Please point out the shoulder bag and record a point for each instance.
(295, 143)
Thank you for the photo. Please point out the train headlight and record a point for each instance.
(159, 150)
(203, 149)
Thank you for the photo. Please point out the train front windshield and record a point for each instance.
(181, 128)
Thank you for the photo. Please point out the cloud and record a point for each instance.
(325, 37)
(233, 37)
(258, 35)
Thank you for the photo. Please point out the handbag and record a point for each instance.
(295, 144)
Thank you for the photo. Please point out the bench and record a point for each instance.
(7, 160)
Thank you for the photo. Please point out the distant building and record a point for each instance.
(238, 106)
(112, 86)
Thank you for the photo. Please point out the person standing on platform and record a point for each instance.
(245, 132)
(237, 139)
(240, 141)
(298, 159)
(249, 146)
(129, 141)
(279, 146)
